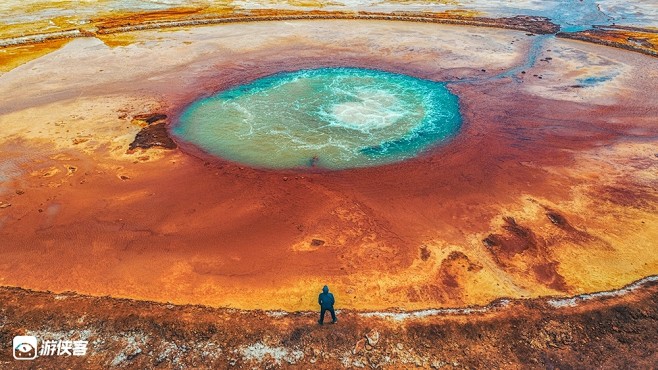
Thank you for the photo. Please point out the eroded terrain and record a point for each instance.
(533, 334)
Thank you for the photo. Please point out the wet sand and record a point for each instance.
(549, 188)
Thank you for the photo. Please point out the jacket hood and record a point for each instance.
(325, 289)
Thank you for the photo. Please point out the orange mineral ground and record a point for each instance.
(530, 240)
(549, 188)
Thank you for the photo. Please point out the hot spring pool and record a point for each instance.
(333, 118)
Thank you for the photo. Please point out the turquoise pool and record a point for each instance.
(331, 118)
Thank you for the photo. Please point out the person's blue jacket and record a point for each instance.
(326, 299)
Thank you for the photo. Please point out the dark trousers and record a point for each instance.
(331, 311)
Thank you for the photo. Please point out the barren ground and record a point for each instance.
(530, 334)
(548, 190)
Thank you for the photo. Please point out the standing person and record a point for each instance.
(326, 302)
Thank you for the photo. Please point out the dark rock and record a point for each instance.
(424, 253)
(490, 241)
(152, 136)
(150, 118)
(556, 218)
(533, 24)
(317, 242)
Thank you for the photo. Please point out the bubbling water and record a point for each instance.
(374, 109)
(333, 118)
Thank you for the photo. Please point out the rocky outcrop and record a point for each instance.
(154, 134)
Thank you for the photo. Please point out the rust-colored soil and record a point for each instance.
(643, 40)
(607, 333)
(548, 189)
